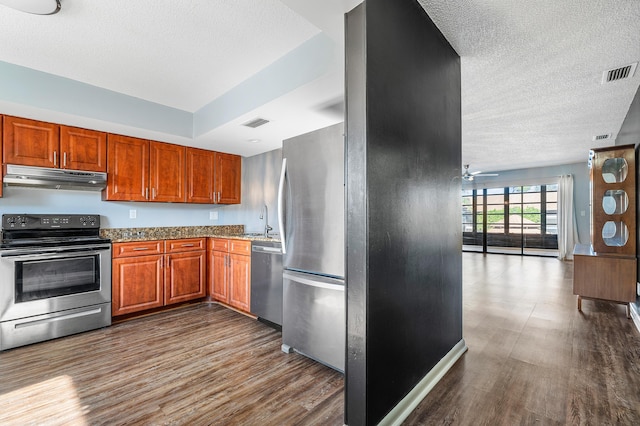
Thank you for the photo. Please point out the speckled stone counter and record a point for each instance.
(119, 235)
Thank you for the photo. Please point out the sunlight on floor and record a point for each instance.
(51, 402)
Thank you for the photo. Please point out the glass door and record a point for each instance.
(511, 220)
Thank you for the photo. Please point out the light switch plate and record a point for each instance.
(133, 214)
(213, 215)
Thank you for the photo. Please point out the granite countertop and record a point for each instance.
(120, 235)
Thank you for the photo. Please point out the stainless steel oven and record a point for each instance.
(55, 277)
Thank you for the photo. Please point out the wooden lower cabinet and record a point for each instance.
(152, 274)
(185, 277)
(218, 276)
(230, 272)
(240, 281)
(136, 284)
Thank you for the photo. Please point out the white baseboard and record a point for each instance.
(635, 314)
(402, 410)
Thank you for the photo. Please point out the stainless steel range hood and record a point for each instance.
(43, 177)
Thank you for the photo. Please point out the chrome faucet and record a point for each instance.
(264, 214)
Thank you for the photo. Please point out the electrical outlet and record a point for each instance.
(213, 215)
(133, 214)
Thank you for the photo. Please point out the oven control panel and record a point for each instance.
(50, 221)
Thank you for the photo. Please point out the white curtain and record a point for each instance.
(567, 229)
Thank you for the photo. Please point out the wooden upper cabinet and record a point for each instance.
(127, 169)
(227, 178)
(30, 142)
(83, 149)
(200, 176)
(167, 179)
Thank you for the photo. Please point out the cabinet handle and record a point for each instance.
(140, 248)
(162, 263)
(146, 193)
(55, 158)
(64, 159)
(188, 245)
(153, 192)
(168, 261)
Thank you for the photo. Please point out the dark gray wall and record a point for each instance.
(630, 135)
(404, 267)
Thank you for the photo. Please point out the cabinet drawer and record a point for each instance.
(137, 248)
(240, 247)
(218, 244)
(186, 244)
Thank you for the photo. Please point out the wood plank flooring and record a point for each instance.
(199, 365)
(532, 359)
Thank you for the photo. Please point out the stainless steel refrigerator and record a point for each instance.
(311, 219)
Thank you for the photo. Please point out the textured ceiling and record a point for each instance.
(531, 70)
(531, 76)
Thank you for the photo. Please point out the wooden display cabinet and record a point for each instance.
(606, 269)
(613, 200)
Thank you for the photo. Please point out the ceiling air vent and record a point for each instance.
(602, 137)
(619, 73)
(256, 122)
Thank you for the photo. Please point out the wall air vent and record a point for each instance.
(602, 137)
(256, 122)
(619, 73)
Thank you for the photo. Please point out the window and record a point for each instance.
(518, 219)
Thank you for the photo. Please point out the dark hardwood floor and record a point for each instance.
(532, 359)
(198, 365)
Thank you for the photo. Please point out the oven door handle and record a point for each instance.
(60, 254)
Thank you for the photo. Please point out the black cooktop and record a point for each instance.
(48, 230)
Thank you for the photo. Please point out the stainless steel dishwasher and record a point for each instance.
(266, 282)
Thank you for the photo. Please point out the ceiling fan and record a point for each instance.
(469, 176)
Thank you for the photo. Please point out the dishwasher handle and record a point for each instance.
(269, 250)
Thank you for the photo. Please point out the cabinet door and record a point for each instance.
(200, 176)
(227, 178)
(30, 142)
(83, 149)
(218, 276)
(185, 277)
(167, 182)
(136, 284)
(240, 281)
(127, 169)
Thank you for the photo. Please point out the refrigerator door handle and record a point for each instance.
(281, 206)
